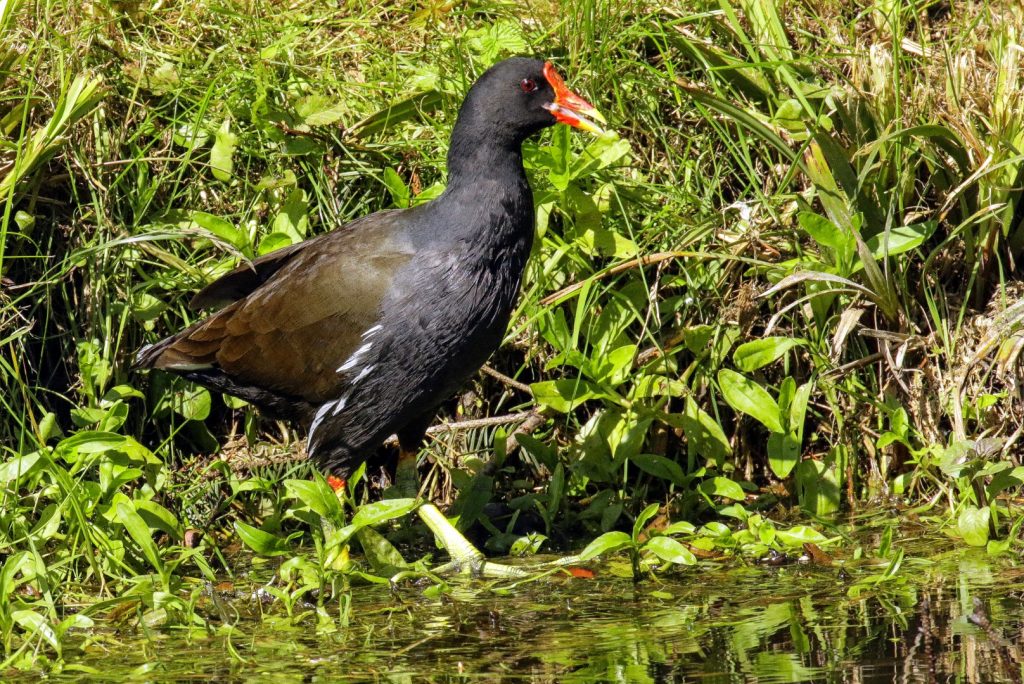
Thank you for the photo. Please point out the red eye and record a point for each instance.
(528, 85)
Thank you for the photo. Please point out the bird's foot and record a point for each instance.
(465, 558)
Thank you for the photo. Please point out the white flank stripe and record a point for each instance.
(354, 359)
(373, 331)
(363, 373)
(317, 419)
(338, 404)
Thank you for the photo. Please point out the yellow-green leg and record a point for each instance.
(465, 558)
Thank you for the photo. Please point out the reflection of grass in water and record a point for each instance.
(793, 623)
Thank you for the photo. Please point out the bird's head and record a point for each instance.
(522, 96)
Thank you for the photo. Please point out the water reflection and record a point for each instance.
(957, 619)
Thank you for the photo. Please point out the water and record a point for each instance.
(718, 622)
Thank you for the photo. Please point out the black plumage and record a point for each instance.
(363, 332)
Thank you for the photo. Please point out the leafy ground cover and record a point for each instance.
(786, 289)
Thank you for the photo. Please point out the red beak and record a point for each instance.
(568, 107)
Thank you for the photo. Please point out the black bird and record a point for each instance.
(363, 332)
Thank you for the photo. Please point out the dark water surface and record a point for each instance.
(953, 615)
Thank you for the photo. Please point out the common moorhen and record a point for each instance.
(363, 332)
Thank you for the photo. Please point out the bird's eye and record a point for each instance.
(528, 85)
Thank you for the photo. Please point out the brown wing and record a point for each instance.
(243, 280)
(292, 332)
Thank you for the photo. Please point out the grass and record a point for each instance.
(790, 282)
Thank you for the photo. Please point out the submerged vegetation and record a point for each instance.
(787, 289)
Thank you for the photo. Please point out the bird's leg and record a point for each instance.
(407, 481)
(464, 556)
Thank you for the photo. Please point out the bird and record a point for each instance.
(363, 332)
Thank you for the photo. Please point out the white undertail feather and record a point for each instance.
(188, 366)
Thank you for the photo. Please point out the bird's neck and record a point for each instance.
(487, 185)
(480, 153)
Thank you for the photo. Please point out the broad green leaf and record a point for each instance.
(318, 495)
(716, 529)
(141, 533)
(790, 116)
(381, 554)
(599, 154)
(222, 152)
(900, 240)
(798, 408)
(598, 241)
(193, 403)
(670, 550)
(722, 486)
(704, 436)
(558, 158)
(614, 367)
(501, 37)
(737, 511)
(998, 546)
(638, 525)
(49, 428)
(973, 525)
(659, 466)
(274, 241)
(34, 623)
(261, 542)
(319, 110)
(293, 218)
(681, 527)
(562, 395)
(1006, 478)
(697, 338)
(87, 417)
(18, 467)
(827, 234)
(76, 621)
(746, 396)
(397, 188)
(48, 524)
(779, 447)
(121, 392)
(382, 511)
(606, 543)
(799, 535)
(474, 495)
(527, 545)
(818, 486)
(220, 227)
(759, 353)
(88, 442)
(145, 307)
(784, 449)
(157, 517)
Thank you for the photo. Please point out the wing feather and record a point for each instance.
(291, 332)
